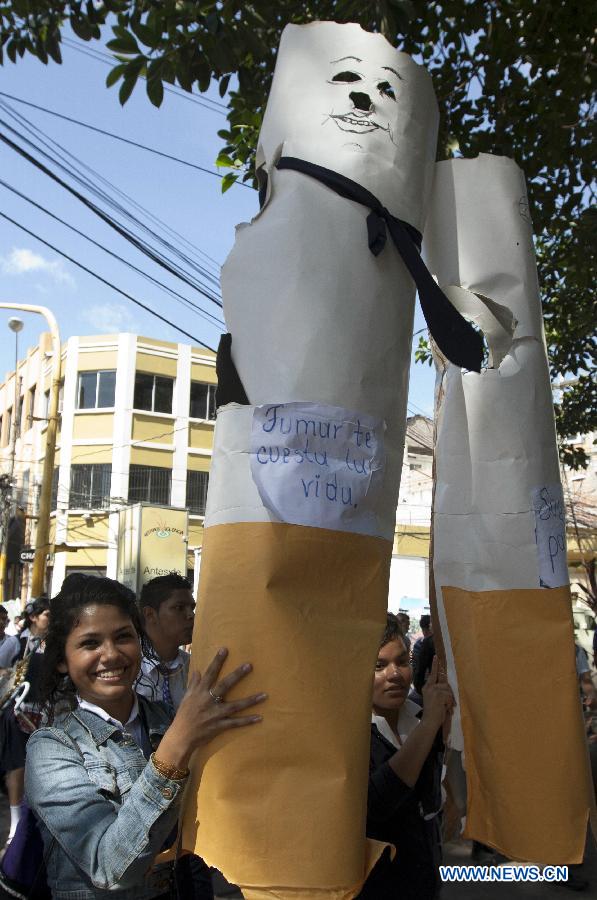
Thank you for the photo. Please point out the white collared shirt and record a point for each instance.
(150, 682)
(133, 725)
(407, 722)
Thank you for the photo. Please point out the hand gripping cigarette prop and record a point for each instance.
(307, 457)
(499, 540)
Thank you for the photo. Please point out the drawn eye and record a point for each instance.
(385, 88)
(346, 77)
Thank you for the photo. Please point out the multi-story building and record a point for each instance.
(136, 424)
(409, 572)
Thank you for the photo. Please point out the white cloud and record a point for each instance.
(20, 260)
(107, 318)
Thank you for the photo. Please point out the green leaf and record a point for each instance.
(124, 44)
(223, 86)
(53, 48)
(224, 160)
(155, 90)
(81, 28)
(115, 73)
(227, 181)
(146, 35)
(126, 88)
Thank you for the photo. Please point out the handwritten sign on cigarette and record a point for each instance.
(550, 534)
(318, 465)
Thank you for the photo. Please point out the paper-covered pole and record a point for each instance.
(499, 539)
(305, 476)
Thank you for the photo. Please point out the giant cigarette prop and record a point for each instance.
(499, 542)
(318, 297)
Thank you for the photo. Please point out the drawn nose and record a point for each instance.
(361, 101)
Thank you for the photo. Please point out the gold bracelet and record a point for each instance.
(168, 771)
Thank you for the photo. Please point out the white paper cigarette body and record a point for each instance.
(499, 548)
(304, 480)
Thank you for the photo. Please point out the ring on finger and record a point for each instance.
(217, 698)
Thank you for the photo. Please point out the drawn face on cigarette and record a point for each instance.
(363, 98)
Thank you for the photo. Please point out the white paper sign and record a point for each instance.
(550, 534)
(318, 465)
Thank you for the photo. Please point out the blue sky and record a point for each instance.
(185, 199)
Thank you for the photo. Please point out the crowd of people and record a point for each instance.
(97, 753)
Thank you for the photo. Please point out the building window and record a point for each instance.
(23, 491)
(31, 407)
(46, 409)
(149, 484)
(19, 422)
(96, 389)
(153, 392)
(203, 401)
(197, 492)
(7, 433)
(55, 473)
(90, 486)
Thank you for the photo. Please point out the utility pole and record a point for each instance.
(42, 537)
(8, 504)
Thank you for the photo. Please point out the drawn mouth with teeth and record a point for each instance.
(361, 124)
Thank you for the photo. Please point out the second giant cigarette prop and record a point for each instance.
(499, 541)
(306, 465)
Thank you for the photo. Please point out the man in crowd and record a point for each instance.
(168, 611)
(426, 628)
(404, 622)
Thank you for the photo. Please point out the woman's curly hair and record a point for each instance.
(77, 592)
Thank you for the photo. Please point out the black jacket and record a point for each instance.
(395, 814)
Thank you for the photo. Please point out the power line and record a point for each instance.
(106, 282)
(100, 56)
(112, 223)
(179, 297)
(124, 210)
(118, 137)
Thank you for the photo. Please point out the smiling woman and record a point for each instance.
(118, 761)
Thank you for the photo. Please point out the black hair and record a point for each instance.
(392, 631)
(3, 611)
(77, 592)
(35, 608)
(156, 591)
(425, 621)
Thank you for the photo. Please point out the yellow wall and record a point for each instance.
(78, 530)
(197, 463)
(201, 435)
(411, 540)
(156, 365)
(200, 372)
(195, 535)
(92, 425)
(142, 456)
(87, 556)
(86, 455)
(97, 360)
(148, 428)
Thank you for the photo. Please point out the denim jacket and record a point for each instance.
(109, 810)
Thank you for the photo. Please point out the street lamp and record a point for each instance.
(15, 326)
(43, 524)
